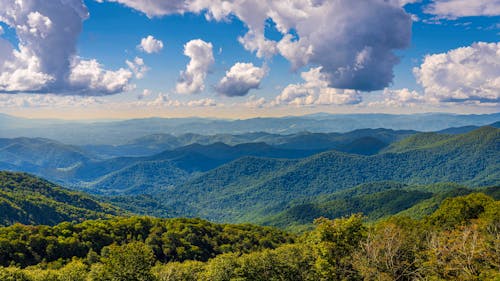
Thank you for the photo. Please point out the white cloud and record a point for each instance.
(150, 45)
(331, 34)
(406, 2)
(154, 8)
(255, 102)
(45, 100)
(20, 70)
(164, 100)
(452, 9)
(89, 77)
(39, 25)
(400, 98)
(145, 93)
(202, 103)
(240, 79)
(256, 42)
(297, 52)
(463, 74)
(192, 80)
(42, 62)
(138, 67)
(315, 91)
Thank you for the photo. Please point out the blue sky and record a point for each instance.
(339, 59)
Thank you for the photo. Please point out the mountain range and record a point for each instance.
(260, 175)
(252, 187)
(119, 132)
(146, 165)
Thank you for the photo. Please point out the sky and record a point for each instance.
(74, 59)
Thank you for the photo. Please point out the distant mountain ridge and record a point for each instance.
(77, 167)
(350, 141)
(121, 132)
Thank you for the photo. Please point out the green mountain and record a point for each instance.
(375, 200)
(135, 175)
(38, 154)
(347, 142)
(30, 200)
(457, 241)
(251, 187)
(172, 239)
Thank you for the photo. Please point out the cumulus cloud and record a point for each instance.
(192, 80)
(154, 8)
(145, 93)
(464, 74)
(353, 41)
(20, 70)
(164, 100)
(452, 9)
(400, 98)
(150, 45)
(202, 103)
(255, 102)
(138, 67)
(88, 77)
(360, 54)
(38, 24)
(240, 79)
(315, 91)
(45, 61)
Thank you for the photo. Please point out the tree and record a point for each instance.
(460, 210)
(335, 241)
(130, 262)
(388, 253)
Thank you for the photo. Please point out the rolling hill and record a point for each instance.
(29, 200)
(74, 167)
(251, 187)
(375, 200)
(38, 154)
(352, 142)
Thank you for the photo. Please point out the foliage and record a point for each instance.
(169, 239)
(30, 200)
(397, 248)
(249, 188)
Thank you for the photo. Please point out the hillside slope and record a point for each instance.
(30, 200)
(260, 187)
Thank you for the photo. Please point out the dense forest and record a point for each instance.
(422, 208)
(459, 241)
(249, 188)
(30, 200)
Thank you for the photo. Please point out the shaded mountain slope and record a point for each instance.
(258, 186)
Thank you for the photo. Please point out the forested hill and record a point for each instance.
(250, 187)
(29, 200)
(459, 241)
(375, 200)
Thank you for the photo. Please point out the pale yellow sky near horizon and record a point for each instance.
(226, 112)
